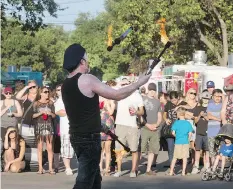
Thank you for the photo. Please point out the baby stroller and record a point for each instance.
(225, 132)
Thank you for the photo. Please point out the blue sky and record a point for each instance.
(67, 17)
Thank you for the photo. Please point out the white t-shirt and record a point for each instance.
(123, 116)
(64, 122)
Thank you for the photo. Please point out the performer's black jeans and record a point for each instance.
(88, 151)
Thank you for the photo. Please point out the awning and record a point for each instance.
(179, 73)
(228, 80)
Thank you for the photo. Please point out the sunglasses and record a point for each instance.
(46, 92)
(32, 87)
(8, 93)
(193, 93)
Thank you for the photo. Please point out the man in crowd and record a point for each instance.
(150, 132)
(80, 94)
(214, 124)
(210, 86)
(67, 151)
(126, 128)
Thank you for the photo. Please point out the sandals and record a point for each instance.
(52, 172)
(107, 174)
(171, 174)
(41, 172)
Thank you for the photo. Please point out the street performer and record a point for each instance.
(80, 94)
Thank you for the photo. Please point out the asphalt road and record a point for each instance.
(31, 180)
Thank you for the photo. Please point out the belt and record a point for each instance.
(87, 135)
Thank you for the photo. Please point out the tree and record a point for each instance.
(92, 34)
(43, 52)
(213, 24)
(191, 25)
(33, 11)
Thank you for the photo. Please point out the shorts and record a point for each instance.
(181, 151)
(201, 143)
(129, 135)
(67, 150)
(212, 149)
(152, 138)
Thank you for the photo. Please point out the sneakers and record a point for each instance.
(69, 172)
(220, 175)
(195, 170)
(132, 174)
(117, 174)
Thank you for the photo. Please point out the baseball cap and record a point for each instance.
(73, 55)
(210, 84)
(152, 86)
(8, 89)
(206, 95)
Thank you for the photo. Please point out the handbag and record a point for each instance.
(141, 122)
(166, 131)
(25, 113)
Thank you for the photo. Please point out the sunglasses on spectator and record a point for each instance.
(193, 93)
(8, 93)
(46, 92)
(32, 87)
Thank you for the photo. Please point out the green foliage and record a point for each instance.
(32, 10)
(182, 18)
(44, 49)
(43, 52)
(92, 34)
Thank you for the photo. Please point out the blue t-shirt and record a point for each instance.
(182, 129)
(226, 150)
(213, 126)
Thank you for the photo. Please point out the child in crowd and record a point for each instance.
(182, 131)
(226, 151)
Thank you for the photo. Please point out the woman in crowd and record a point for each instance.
(227, 107)
(170, 117)
(27, 95)
(143, 91)
(191, 100)
(54, 97)
(107, 108)
(163, 98)
(10, 111)
(44, 114)
(14, 150)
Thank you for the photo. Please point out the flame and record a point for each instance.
(110, 35)
(164, 38)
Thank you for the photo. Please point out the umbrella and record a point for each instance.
(228, 80)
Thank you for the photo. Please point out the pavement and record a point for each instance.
(31, 180)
